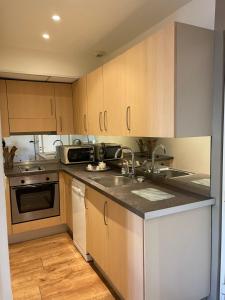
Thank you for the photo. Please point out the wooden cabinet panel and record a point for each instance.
(80, 106)
(116, 243)
(114, 95)
(32, 125)
(161, 82)
(68, 200)
(30, 100)
(97, 230)
(95, 102)
(137, 106)
(4, 109)
(126, 251)
(64, 108)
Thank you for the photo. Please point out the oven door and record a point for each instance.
(80, 155)
(34, 202)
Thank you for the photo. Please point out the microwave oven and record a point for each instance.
(106, 151)
(74, 154)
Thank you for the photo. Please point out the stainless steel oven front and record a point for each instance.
(34, 197)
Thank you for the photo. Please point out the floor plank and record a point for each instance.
(51, 268)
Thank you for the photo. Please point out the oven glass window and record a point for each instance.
(79, 155)
(35, 197)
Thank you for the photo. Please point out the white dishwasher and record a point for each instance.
(79, 217)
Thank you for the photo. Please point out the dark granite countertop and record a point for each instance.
(182, 199)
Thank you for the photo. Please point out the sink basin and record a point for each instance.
(172, 173)
(113, 181)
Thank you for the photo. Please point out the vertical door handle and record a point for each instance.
(105, 120)
(100, 121)
(105, 205)
(52, 108)
(61, 125)
(85, 123)
(128, 118)
(85, 203)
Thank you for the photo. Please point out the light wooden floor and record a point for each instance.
(51, 268)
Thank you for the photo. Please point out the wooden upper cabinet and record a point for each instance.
(179, 63)
(4, 109)
(114, 95)
(64, 108)
(80, 106)
(30, 100)
(31, 106)
(136, 105)
(95, 102)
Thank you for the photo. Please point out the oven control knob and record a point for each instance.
(47, 178)
(22, 181)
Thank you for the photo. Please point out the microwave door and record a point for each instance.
(79, 155)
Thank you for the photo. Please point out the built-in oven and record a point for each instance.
(76, 154)
(34, 197)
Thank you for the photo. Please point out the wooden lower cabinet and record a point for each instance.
(115, 241)
(66, 212)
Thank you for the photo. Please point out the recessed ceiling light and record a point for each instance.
(56, 18)
(46, 36)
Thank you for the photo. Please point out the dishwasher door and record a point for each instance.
(79, 217)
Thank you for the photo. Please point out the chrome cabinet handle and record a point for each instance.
(128, 118)
(85, 203)
(100, 121)
(52, 109)
(105, 120)
(105, 205)
(85, 123)
(60, 122)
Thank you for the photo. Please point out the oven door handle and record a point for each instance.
(32, 185)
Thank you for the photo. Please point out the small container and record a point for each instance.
(140, 178)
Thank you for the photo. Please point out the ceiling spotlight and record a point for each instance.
(56, 18)
(46, 36)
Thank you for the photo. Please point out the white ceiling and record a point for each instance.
(87, 26)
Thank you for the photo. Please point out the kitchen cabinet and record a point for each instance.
(4, 109)
(97, 227)
(95, 103)
(66, 213)
(8, 205)
(80, 106)
(114, 95)
(131, 250)
(156, 87)
(64, 108)
(115, 241)
(31, 106)
(179, 63)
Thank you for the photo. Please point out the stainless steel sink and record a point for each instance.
(113, 181)
(171, 173)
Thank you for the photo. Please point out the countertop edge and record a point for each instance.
(177, 209)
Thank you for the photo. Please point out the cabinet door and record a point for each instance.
(64, 108)
(80, 106)
(160, 82)
(66, 203)
(137, 108)
(30, 100)
(125, 246)
(95, 102)
(114, 95)
(97, 228)
(4, 109)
